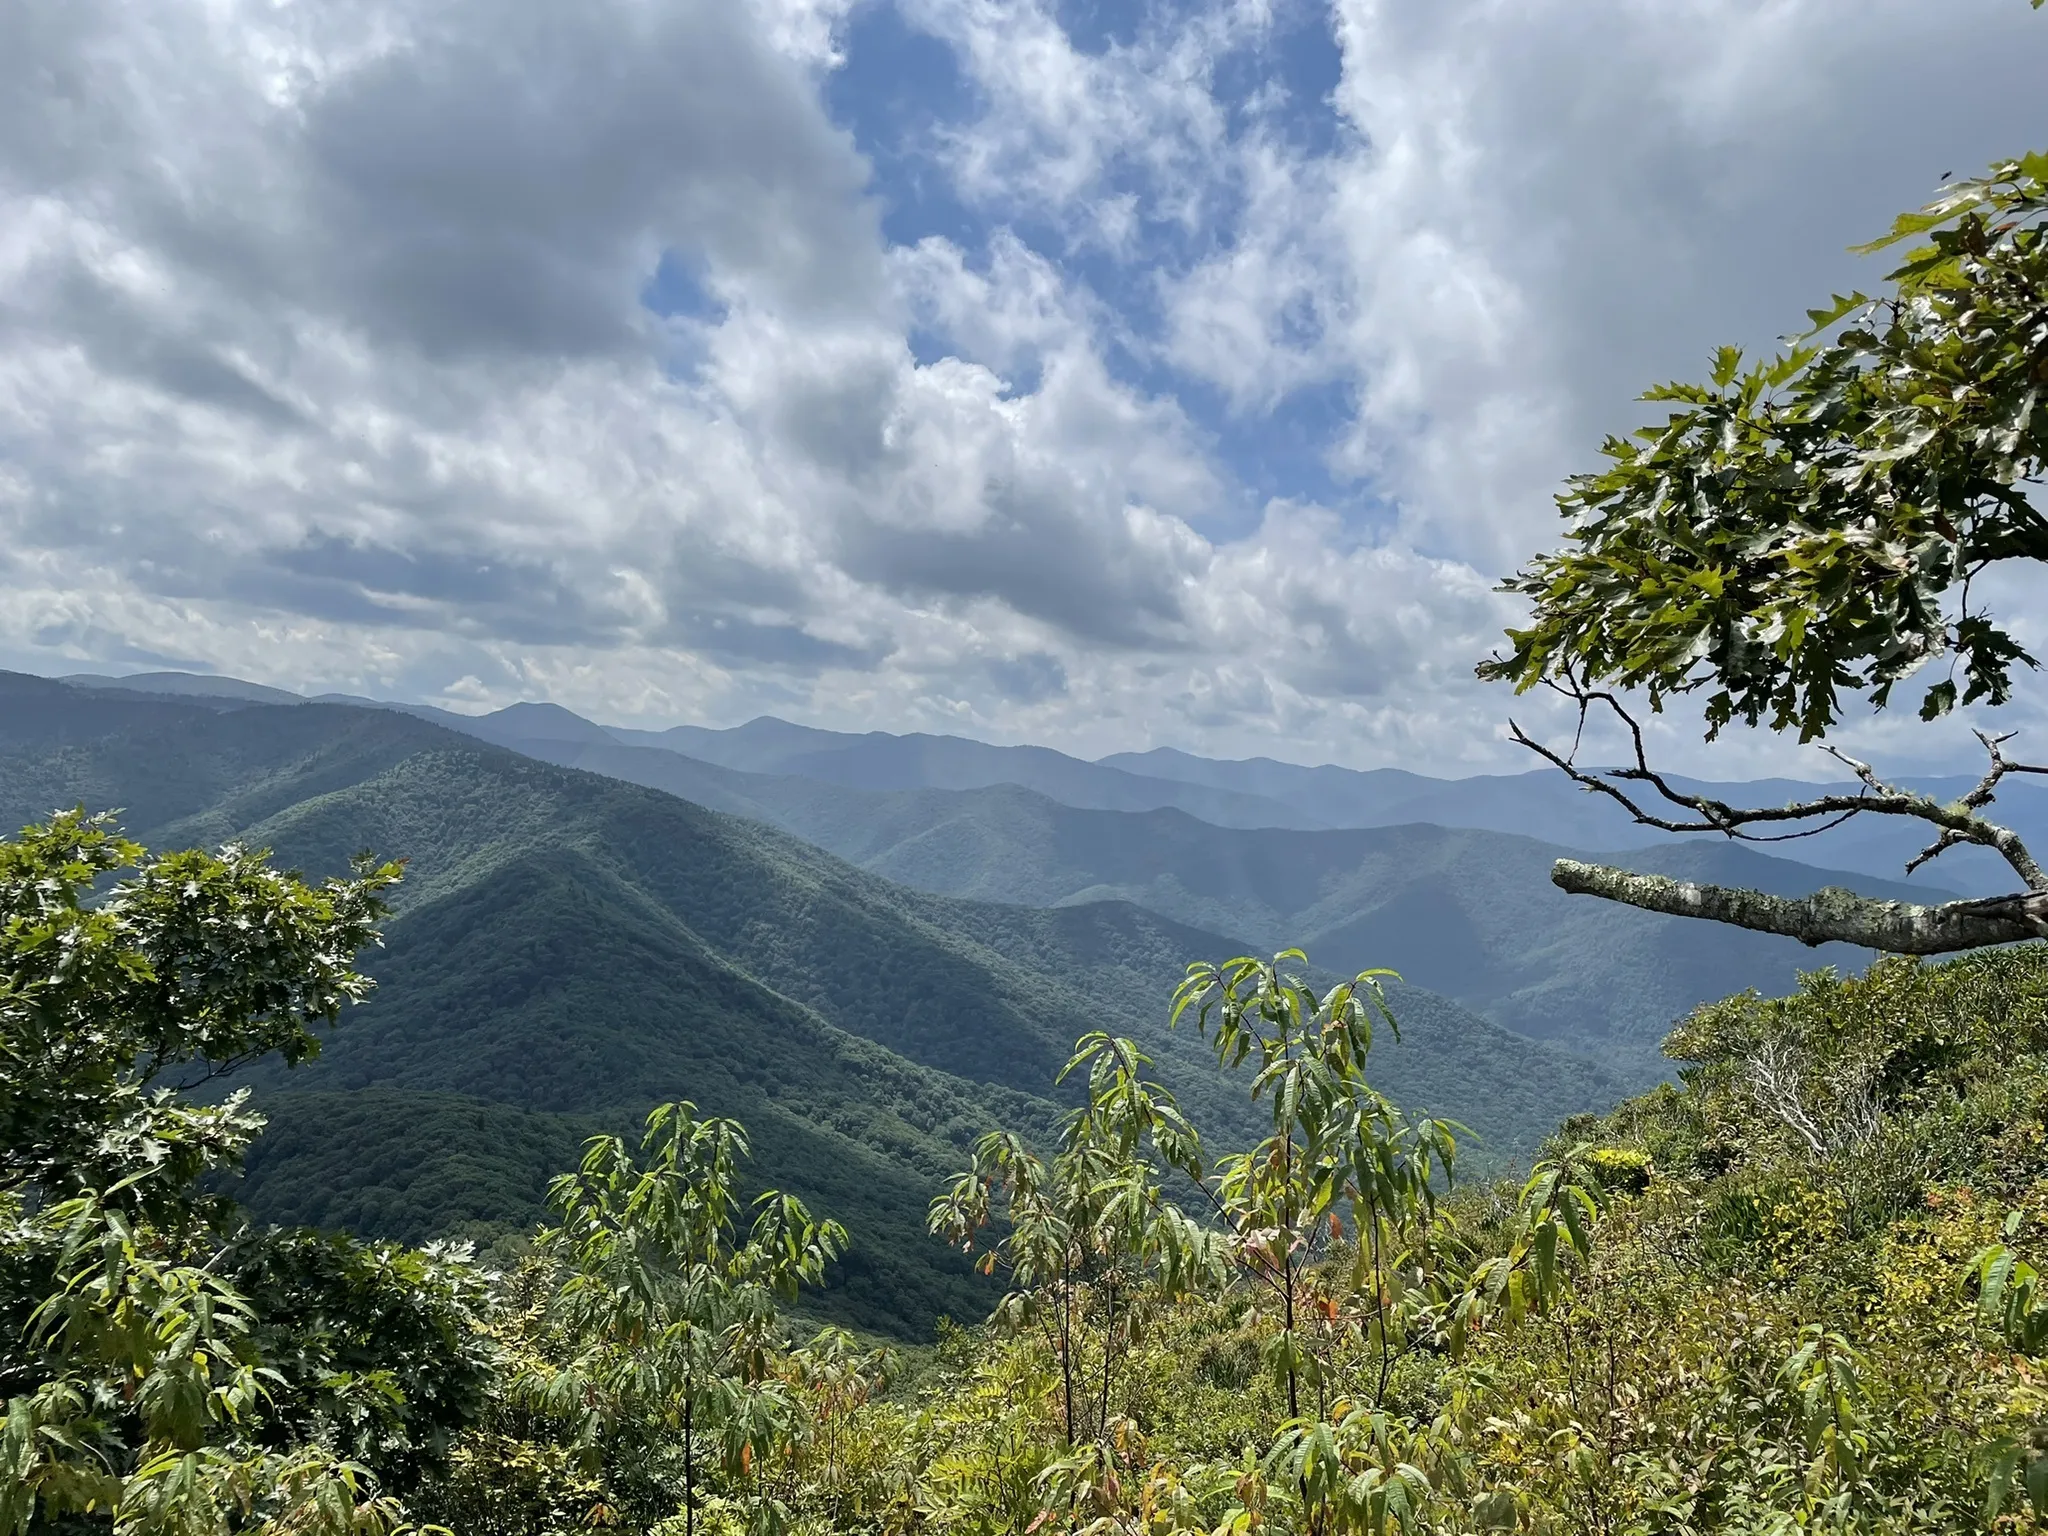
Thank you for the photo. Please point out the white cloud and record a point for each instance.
(806, 30)
(323, 355)
(1558, 204)
(1062, 123)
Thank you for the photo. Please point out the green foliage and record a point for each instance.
(670, 1313)
(372, 1348)
(2009, 1293)
(1812, 523)
(1743, 1303)
(164, 1369)
(1339, 1151)
(191, 964)
(1553, 1223)
(1089, 1242)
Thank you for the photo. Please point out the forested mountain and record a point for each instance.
(1464, 910)
(1470, 914)
(1246, 793)
(880, 761)
(568, 949)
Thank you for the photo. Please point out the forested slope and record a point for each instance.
(1468, 913)
(568, 949)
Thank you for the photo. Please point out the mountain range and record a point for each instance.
(569, 948)
(873, 947)
(1464, 912)
(1247, 794)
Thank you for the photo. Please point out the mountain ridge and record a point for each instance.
(1243, 793)
(1464, 912)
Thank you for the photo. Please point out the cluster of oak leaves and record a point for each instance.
(1788, 1293)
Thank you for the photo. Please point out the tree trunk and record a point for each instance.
(1108, 1351)
(1067, 1347)
(1829, 916)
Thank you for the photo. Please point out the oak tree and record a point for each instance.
(1812, 526)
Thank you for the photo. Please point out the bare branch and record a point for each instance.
(1772, 1075)
(1841, 1116)
(1829, 916)
(1715, 815)
(1934, 850)
(1861, 769)
(1959, 822)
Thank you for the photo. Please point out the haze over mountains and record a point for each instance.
(1252, 793)
(872, 948)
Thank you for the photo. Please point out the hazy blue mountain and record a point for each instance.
(1543, 802)
(1540, 802)
(880, 761)
(187, 685)
(1378, 797)
(1254, 792)
(518, 724)
(1464, 912)
(569, 948)
(876, 760)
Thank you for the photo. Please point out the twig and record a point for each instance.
(1959, 822)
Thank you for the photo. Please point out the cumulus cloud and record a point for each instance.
(1558, 204)
(477, 351)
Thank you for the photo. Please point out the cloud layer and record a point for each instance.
(1104, 376)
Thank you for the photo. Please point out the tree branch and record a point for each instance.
(1829, 916)
(1959, 822)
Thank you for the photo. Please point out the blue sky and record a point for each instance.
(902, 92)
(1100, 373)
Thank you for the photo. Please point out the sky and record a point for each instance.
(1100, 373)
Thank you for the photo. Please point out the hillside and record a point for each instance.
(568, 948)
(1467, 913)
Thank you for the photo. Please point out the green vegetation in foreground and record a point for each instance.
(1795, 1291)
(1790, 1292)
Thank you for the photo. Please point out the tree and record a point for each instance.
(1341, 1157)
(1327, 1223)
(834, 1376)
(116, 1001)
(1816, 524)
(167, 1368)
(670, 1312)
(1091, 1239)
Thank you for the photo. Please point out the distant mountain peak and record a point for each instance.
(529, 721)
(187, 684)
